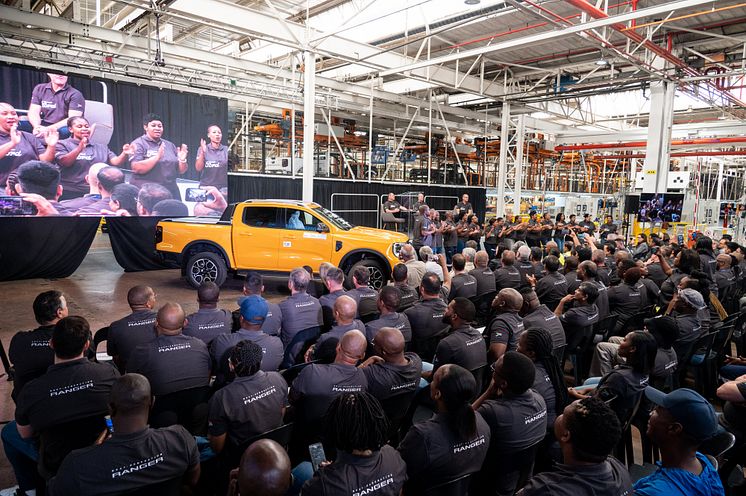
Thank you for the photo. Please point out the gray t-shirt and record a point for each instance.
(505, 328)
(463, 346)
(516, 421)
(426, 318)
(508, 277)
(272, 349)
(248, 406)
(485, 280)
(551, 288)
(208, 323)
(339, 330)
(172, 363)
(129, 332)
(608, 478)
(318, 384)
(463, 285)
(387, 379)
(366, 299)
(299, 311)
(395, 320)
(543, 318)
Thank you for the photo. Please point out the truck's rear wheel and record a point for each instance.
(206, 266)
(378, 277)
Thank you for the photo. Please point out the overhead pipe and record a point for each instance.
(643, 144)
(722, 153)
(597, 13)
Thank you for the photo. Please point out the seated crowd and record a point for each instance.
(447, 381)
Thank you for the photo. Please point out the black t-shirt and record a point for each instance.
(461, 208)
(434, 455)
(579, 317)
(626, 300)
(128, 333)
(507, 277)
(127, 462)
(208, 323)
(417, 230)
(381, 474)
(70, 391)
(505, 328)
(463, 346)
(551, 288)
(318, 384)
(609, 478)
(602, 301)
(30, 355)
(573, 282)
(543, 386)
(485, 280)
(172, 363)
(516, 421)
(651, 290)
(248, 406)
(387, 379)
(215, 172)
(56, 105)
(164, 172)
(272, 350)
(395, 320)
(665, 363)
(426, 318)
(339, 330)
(543, 318)
(299, 312)
(463, 285)
(391, 205)
(626, 386)
(366, 299)
(408, 296)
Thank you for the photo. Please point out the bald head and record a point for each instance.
(390, 340)
(598, 257)
(351, 347)
(345, 308)
(265, 469)
(170, 319)
(139, 296)
(508, 257)
(510, 299)
(481, 259)
(724, 261)
(130, 395)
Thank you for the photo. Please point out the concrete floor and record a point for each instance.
(98, 292)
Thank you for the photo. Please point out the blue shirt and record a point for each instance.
(675, 481)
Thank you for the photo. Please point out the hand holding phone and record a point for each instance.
(317, 455)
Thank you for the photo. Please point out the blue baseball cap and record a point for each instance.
(254, 309)
(695, 414)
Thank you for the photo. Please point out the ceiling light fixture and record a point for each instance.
(602, 62)
(472, 2)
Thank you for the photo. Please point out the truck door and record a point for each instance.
(256, 237)
(301, 242)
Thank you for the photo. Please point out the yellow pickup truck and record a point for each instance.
(275, 237)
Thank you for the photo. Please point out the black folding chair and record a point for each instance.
(578, 348)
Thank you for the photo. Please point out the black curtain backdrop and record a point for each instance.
(46, 247)
(133, 243)
(186, 116)
(245, 187)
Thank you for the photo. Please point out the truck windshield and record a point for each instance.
(335, 219)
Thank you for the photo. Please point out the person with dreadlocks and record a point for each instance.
(454, 442)
(587, 431)
(250, 405)
(356, 426)
(549, 381)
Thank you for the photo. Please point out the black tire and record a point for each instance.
(206, 266)
(378, 275)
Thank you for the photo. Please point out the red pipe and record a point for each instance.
(677, 154)
(597, 13)
(643, 144)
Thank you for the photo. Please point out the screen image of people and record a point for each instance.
(53, 163)
(660, 208)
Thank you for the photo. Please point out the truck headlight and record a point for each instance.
(396, 248)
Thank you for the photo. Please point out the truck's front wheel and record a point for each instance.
(378, 277)
(206, 267)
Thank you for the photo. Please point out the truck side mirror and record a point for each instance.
(322, 228)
